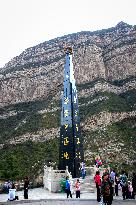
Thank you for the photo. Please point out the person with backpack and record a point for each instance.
(97, 180)
(77, 186)
(124, 185)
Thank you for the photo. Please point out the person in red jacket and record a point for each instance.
(97, 180)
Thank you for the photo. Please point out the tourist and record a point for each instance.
(68, 187)
(106, 189)
(106, 171)
(116, 184)
(112, 175)
(98, 162)
(77, 186)
(9, 185)
(26, 184)
(11, 194)
(134, 185)
(124, 185)
(83, 170)
(130, 190)
(112, 180)
(97, 180)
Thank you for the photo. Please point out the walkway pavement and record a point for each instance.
(43, 194)
(67, 202)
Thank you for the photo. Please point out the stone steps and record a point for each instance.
(86, 185)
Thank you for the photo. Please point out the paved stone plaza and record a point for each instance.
(41, 196)
(67, 202)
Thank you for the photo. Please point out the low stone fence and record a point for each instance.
(52, 178)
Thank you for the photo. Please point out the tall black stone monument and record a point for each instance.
(71, 144)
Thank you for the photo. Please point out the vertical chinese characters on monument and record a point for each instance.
(71, 145)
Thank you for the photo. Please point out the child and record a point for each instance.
(77, 186)
(68, 187)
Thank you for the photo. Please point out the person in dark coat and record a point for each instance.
(124, 185)
(116, 184)
(106, 189)
(26, 184)
(134, 185)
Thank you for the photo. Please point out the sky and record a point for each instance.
(26, 23)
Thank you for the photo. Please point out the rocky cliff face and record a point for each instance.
(108, 54)
(105, 72)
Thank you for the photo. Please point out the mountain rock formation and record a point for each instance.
(30, 93)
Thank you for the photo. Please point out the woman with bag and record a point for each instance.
(106, 190)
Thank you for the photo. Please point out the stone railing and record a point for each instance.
(52, 178)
